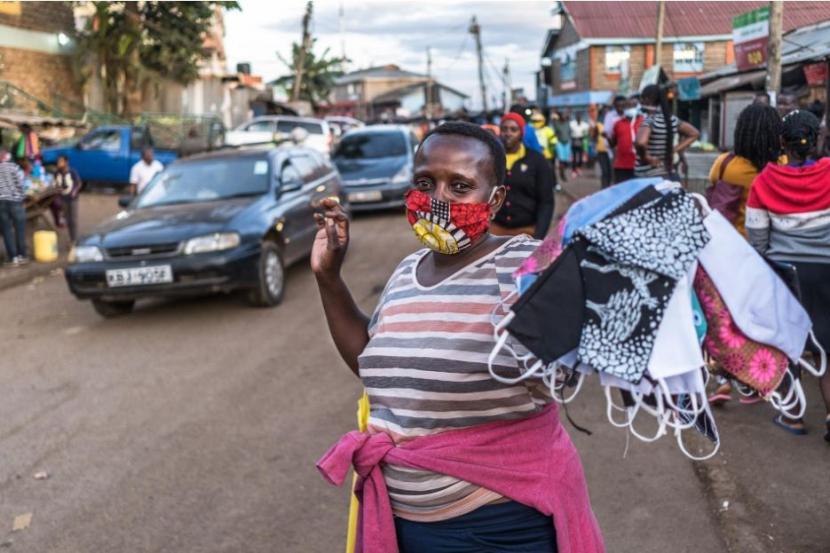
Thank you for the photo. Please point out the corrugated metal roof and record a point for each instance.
(384, 71)
(598, 20)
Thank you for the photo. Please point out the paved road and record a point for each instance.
(192, 426)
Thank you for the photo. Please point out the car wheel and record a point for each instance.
(271, 277)
(111, 309)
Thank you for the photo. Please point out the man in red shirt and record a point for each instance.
(623, 136)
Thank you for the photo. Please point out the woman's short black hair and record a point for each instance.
(799, 133)
(461, 128)
(758, 135)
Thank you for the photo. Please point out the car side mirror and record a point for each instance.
(124, 201)
(290, 185)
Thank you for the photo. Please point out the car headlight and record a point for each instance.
(402, 176)
(85, 254)
(211, 243)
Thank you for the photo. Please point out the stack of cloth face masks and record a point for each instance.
(641, 280)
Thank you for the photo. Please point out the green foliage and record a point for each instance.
(131, 43)
(319, 73)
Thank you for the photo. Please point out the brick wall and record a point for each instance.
(40, 74)
(715, 55)
(50, 17)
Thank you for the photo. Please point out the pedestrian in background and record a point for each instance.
(144, 170)
(603, 155)
(562, 128)
(529, 182)
(12, 211)
(448, 450)
(787, 216)
(658, 152)
(68, 181)
(579, 132)
(757, 142)
(28, 145)
(613, 115)
(623, 136)
(547, 139)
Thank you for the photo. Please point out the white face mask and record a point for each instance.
(632, 112)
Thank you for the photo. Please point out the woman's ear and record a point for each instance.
(497, 198)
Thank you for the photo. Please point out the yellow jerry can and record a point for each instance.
(46, 246)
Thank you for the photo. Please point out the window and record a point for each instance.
(372, 145)
(306, 167)
(567, 71)
(290, 175)
(261, 126)
(288, 126)
(616, 57)
(688, 57)
(207, 180)
(109, 141)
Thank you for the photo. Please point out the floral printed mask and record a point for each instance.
(759, 366)
(446, 227)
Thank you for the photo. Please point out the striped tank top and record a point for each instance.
(425, 370)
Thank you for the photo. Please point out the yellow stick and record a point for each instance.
(362, 424)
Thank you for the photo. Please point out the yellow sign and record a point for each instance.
(10, 8)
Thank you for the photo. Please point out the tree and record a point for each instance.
(132, 43)
(312, 78)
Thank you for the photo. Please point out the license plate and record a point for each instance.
(139, 276)
(369, 196)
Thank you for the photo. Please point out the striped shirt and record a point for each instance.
(11, 182)
(425, 370)
(657, 145)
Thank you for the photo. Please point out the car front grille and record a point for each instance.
(143, 252)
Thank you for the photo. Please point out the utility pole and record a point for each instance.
(776, 27)
(508, 90)
(661, 16)
(304, 47)
(341, 27)
(475, 30)
(428, 104)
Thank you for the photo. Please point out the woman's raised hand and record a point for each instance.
(332, 239)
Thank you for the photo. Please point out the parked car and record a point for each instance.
(218, 222)
(375, 163)
(266, 128)
(106, 154)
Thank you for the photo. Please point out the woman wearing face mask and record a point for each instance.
(788, 220)
(623, 136)
(444, 465)
(657, 154)
(529, 183)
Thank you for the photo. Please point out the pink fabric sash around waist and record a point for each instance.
(531, 461)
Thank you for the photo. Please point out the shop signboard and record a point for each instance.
(750, 36)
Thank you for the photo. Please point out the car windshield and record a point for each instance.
(205, 181)
(368, 145)
(288, 126)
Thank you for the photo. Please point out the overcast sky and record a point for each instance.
(399, 31)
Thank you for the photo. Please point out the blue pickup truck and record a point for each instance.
(106, 154)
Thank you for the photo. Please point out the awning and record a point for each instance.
(17, 119)
(584, 98)
(732, 82)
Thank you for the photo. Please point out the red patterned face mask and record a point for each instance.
(446, 227)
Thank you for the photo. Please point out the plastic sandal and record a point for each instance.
(777, 421)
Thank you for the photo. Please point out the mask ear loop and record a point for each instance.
(491, 359)
(796, 391)
(679, 435)
(555, 390)
(818, 373)
(610, 407)
(659, 413)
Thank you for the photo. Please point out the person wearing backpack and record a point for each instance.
(757, 141)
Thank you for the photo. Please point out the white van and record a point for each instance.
(263, 129)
